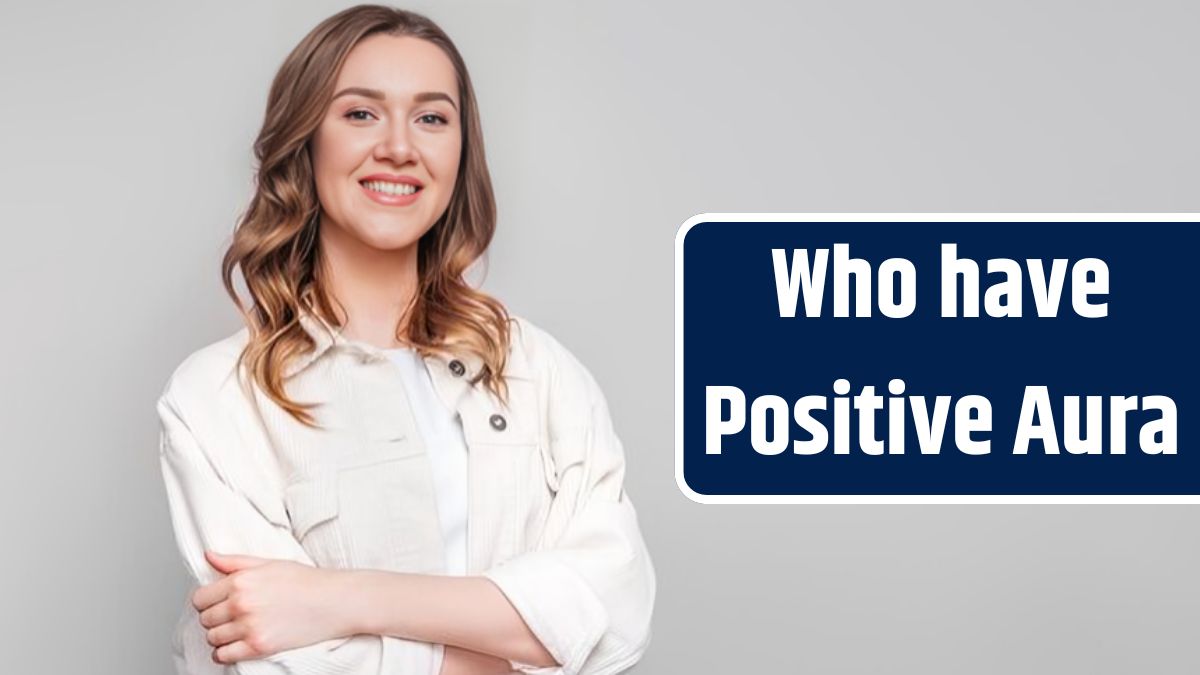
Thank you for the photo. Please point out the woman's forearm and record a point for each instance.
(469, 612)
(459, 661)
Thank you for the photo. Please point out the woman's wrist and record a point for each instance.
(350, 600)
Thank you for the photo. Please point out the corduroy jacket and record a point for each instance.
(549, 520)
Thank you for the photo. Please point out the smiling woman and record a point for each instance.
(409, 120)
(384, 471)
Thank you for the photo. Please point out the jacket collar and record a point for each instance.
(326, 336)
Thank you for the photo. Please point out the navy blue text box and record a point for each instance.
(732, 334)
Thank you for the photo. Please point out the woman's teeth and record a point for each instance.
(390, 188)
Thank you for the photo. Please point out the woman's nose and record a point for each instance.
(397, 145)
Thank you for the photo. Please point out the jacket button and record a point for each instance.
(498, 422)
(457, 368)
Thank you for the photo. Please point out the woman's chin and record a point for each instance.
(385, 234)
(391, 240)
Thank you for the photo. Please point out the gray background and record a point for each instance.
(126, 137)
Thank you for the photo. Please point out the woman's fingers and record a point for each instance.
(210, 594)
(225, 633)
(231, 653)
(220, 613)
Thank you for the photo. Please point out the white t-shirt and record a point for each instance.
(442, 432)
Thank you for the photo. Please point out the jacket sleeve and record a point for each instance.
(207, 512)
(587, 590)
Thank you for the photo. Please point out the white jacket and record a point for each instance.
(549, 521)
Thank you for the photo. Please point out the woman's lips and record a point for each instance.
(390, 200)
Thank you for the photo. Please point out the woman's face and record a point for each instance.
(386, 155)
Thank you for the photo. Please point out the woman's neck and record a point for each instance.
(373, 286)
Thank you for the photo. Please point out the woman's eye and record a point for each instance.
(432, 118)
(352, 113)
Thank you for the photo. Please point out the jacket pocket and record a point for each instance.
(529, 487)
(377, 451)
(313, 508)
(389, 514)
(548, 469)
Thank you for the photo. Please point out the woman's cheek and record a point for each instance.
(443, 157)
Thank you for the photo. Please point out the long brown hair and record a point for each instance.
(275, 242)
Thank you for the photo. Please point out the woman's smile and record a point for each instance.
(401, 191)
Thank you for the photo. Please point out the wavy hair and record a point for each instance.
(275, 241)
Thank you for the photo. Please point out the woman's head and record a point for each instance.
(370, 98)
(386, 154)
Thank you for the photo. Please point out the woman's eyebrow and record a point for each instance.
(427, 96)
(421, 97)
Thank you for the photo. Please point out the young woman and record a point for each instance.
(384, 471)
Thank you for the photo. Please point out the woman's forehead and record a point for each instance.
(398, 65)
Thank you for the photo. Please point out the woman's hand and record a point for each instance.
(264, 606)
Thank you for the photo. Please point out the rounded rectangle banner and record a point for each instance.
(969, 358)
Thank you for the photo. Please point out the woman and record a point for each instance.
(316, 461)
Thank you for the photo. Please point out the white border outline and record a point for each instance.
(699, 498)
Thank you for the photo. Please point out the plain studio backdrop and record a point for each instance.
(127, 131)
